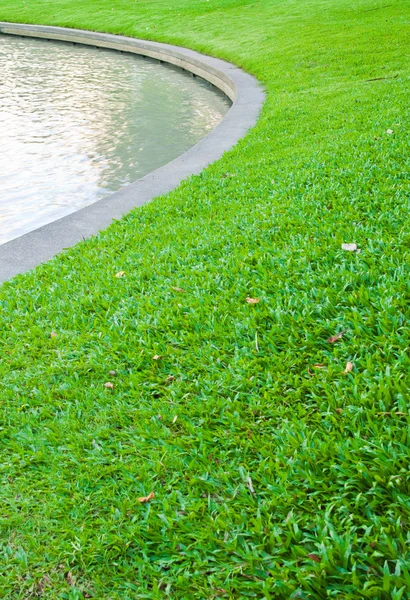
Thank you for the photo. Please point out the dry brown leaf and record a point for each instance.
(349, 367)
(70, 579)
(53, 334)
(339, 411)
(319, 366)
(336, 337)
(120, 274)
(177, 289)
(252, 300)
(144, 499)
(109, 385)
(156, 357)
(171, 378)
(314, 557)
(112, 373)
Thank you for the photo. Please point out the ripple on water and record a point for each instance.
(78, 123)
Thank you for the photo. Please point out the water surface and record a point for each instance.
(78, 123)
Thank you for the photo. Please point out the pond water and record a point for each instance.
(78, 123)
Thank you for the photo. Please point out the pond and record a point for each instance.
(78, 123)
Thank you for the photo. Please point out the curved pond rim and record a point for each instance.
(246, 93)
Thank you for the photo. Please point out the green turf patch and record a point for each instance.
(276, 473)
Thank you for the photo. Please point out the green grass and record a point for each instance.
(327, 451)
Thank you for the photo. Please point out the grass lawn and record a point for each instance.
(276, 474)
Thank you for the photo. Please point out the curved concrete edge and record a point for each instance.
(29, 250)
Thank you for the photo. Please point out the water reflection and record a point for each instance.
(78, 123)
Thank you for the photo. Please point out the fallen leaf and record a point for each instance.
(252, 300)
(349, 367)
(109, 385)
(314, 557)
(336, 337)
(319, 366)
(174, 420)
(53, 334)
(250, 484)
(349, 247)
(339, 411)
(177, 289)
(112, 373)
(70, 579)
(120, 274)
(171, 378)
(389, 131)
(144, 499)
(156, 357)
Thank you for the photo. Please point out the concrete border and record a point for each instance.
(29, 250)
